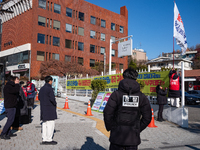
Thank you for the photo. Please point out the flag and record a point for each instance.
(179, 31)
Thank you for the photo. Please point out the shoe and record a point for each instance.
(162, 119)
(51, 143)
(16, 128)
(43, 143)
(159, 120)
(5, 137)
(12, 135)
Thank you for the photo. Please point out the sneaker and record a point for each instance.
(159, 120)
(51, 143)
(43, 143)
(12, 135)
(5, 137)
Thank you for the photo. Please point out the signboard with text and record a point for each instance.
(98, 101)
(81, 84)
(105, 100)
(125, 48)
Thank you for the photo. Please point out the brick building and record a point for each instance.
(72, 30)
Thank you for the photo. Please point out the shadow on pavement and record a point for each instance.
(91, 144)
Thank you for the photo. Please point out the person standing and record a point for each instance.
(11, 92)
(174, 88)
(127, 113)
(47, 111)
(162, 100)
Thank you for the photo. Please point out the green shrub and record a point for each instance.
(97, 86)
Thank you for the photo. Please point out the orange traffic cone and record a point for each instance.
(152, 124)
(66, 104)
(37, 97)
(89, 113)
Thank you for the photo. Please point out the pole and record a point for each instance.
(30, 66)
(173, 52)
(104, 64)
(110, 57)
(182, 85)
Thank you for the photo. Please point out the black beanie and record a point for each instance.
(130, 73)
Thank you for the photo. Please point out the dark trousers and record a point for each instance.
(16, 122)
(160, 111)
(30, 102)
(120, 147)
(10, 112)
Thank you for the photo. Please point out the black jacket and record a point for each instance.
(124, 122)
(11, 92)
(174, 93)
(22, 103)
(47, 103)
(161, 97)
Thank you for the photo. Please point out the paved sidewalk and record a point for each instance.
(75, 131)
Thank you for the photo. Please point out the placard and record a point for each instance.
(98, 101)
(105, 100)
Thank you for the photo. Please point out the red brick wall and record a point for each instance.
(24, 29)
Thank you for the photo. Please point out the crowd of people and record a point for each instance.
(18, 103)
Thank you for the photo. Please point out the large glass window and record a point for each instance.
(81, 16)
(92, 62)
(41, 21)
(92, 34)
(102, 50)
(80, 46)
(121, 29)
(55, 56)
(113, 38)
(40, 56)
(57, 8)
(103, 23)
(80, 31)
(56, 41)
(112, 26)
(92, 48)
(103, 37)
(80, 60)
(67, 58)
(68, 43)
(68, 12)
(113, 52)
(68, 28)
(56, 25)
(41, 38)
(42, 4)
(93, 20)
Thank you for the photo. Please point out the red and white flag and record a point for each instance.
(179, 31)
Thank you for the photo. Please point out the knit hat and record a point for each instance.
(130, 73)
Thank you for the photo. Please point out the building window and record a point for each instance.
(92, 48)
(113, 38)
(40, 56)
(102, 50)
(49, 40)
(50, 23)
(41, 38)
(80, 60)
(68, 43)
(113, 52)
(68, 12)
(121, 67)
(112, 26)
(56, 41)
(121, 29)
(93, 20)
(67, 58)
(103, 23)
(48, 5)
(57, 8)
(42, 4)
(81, 16)
(134, 53)
(56, 25)
(92, 62)
(68, 28)
(47, 22)
(92, 34)
(41, 21)
(80, 46)
(80, 31)
(51, 6)
(103, 37)
(55, 56)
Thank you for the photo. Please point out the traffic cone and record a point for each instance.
(66, 104)
(152, 124)
(37, 97)
(89, 112)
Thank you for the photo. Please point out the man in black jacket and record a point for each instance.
(47, 111)
(11, 92)
(127, 113)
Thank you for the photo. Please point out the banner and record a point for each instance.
(125, 48)
(81, 84)
(179, 31)
(105, 100)
(112, 80)
(152, 79)
(98, 101)
(2, 108)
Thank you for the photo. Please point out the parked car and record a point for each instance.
(191, 99)
(194, 92)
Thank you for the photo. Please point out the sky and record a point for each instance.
(151, 22)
